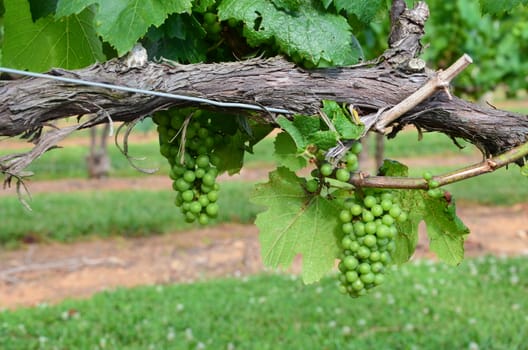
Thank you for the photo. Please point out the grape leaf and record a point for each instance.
(364, 10)
(40, 8)
(344, 126)
(307, 125)
(309, 32)
(323, 139)
(445, 230)
(393, 168)
(494, 6)
(180, 38)
(297, 135)
(123, 22)
(68, 43)
(296, 223)
(231, 153)
(286, 152)
(202, 5)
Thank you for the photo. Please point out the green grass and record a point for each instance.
(70, 162)
(70, 216)
(481, 304)
(406, 144)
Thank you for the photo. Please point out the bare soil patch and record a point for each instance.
(52, 272)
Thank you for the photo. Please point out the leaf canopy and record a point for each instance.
(69, 42)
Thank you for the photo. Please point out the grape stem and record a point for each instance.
(441, 80)
(487, 166)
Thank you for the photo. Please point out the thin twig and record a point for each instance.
(440, 81)
(487, 166)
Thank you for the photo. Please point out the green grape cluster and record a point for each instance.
(434, 190)
(212, 25)
(348, 165)
(188, 142)
(369, 232)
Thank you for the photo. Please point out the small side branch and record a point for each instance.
(440, 81)
(487, 166)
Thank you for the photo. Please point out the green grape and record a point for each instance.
(189, 176)
(212, 209)
(369, 201)
(342, 175)
(326, 169)
(312, 185)
(195, 207)
(351, 276)
(369, 241)
(350, 262)
(367, 278)
(356, 148)
(433, 184)
(367, 216)
(347, 228)
(202, 161)
(386, 204)
(376, 210)
(356, 209)
(427, 176)
(187, 195)
(351, 158)
(345, 215)
(212, 196)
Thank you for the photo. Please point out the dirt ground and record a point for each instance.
(52, 272)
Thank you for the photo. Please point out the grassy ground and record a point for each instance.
(70, 162)
(481, 304)
(69, 216)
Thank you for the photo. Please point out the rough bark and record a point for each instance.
(29, 104)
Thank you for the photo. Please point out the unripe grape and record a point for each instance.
(363, 268)
(202, 161)
(195, 207)
(369, 201)
(356, 209)
(363, 252)
(189, 176)
(369, 241)
(346, 242)
(350, 262)
(395, 211)
(370, 228)
(212, 209)
(351, 276)
(342, 175)
(326, 169)
(376, 210)
(212, 196)
(367, 278)
(345, 216)
(312, 185)
(356, 147)
(367, 216)
(347, 228)
(357, 285)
